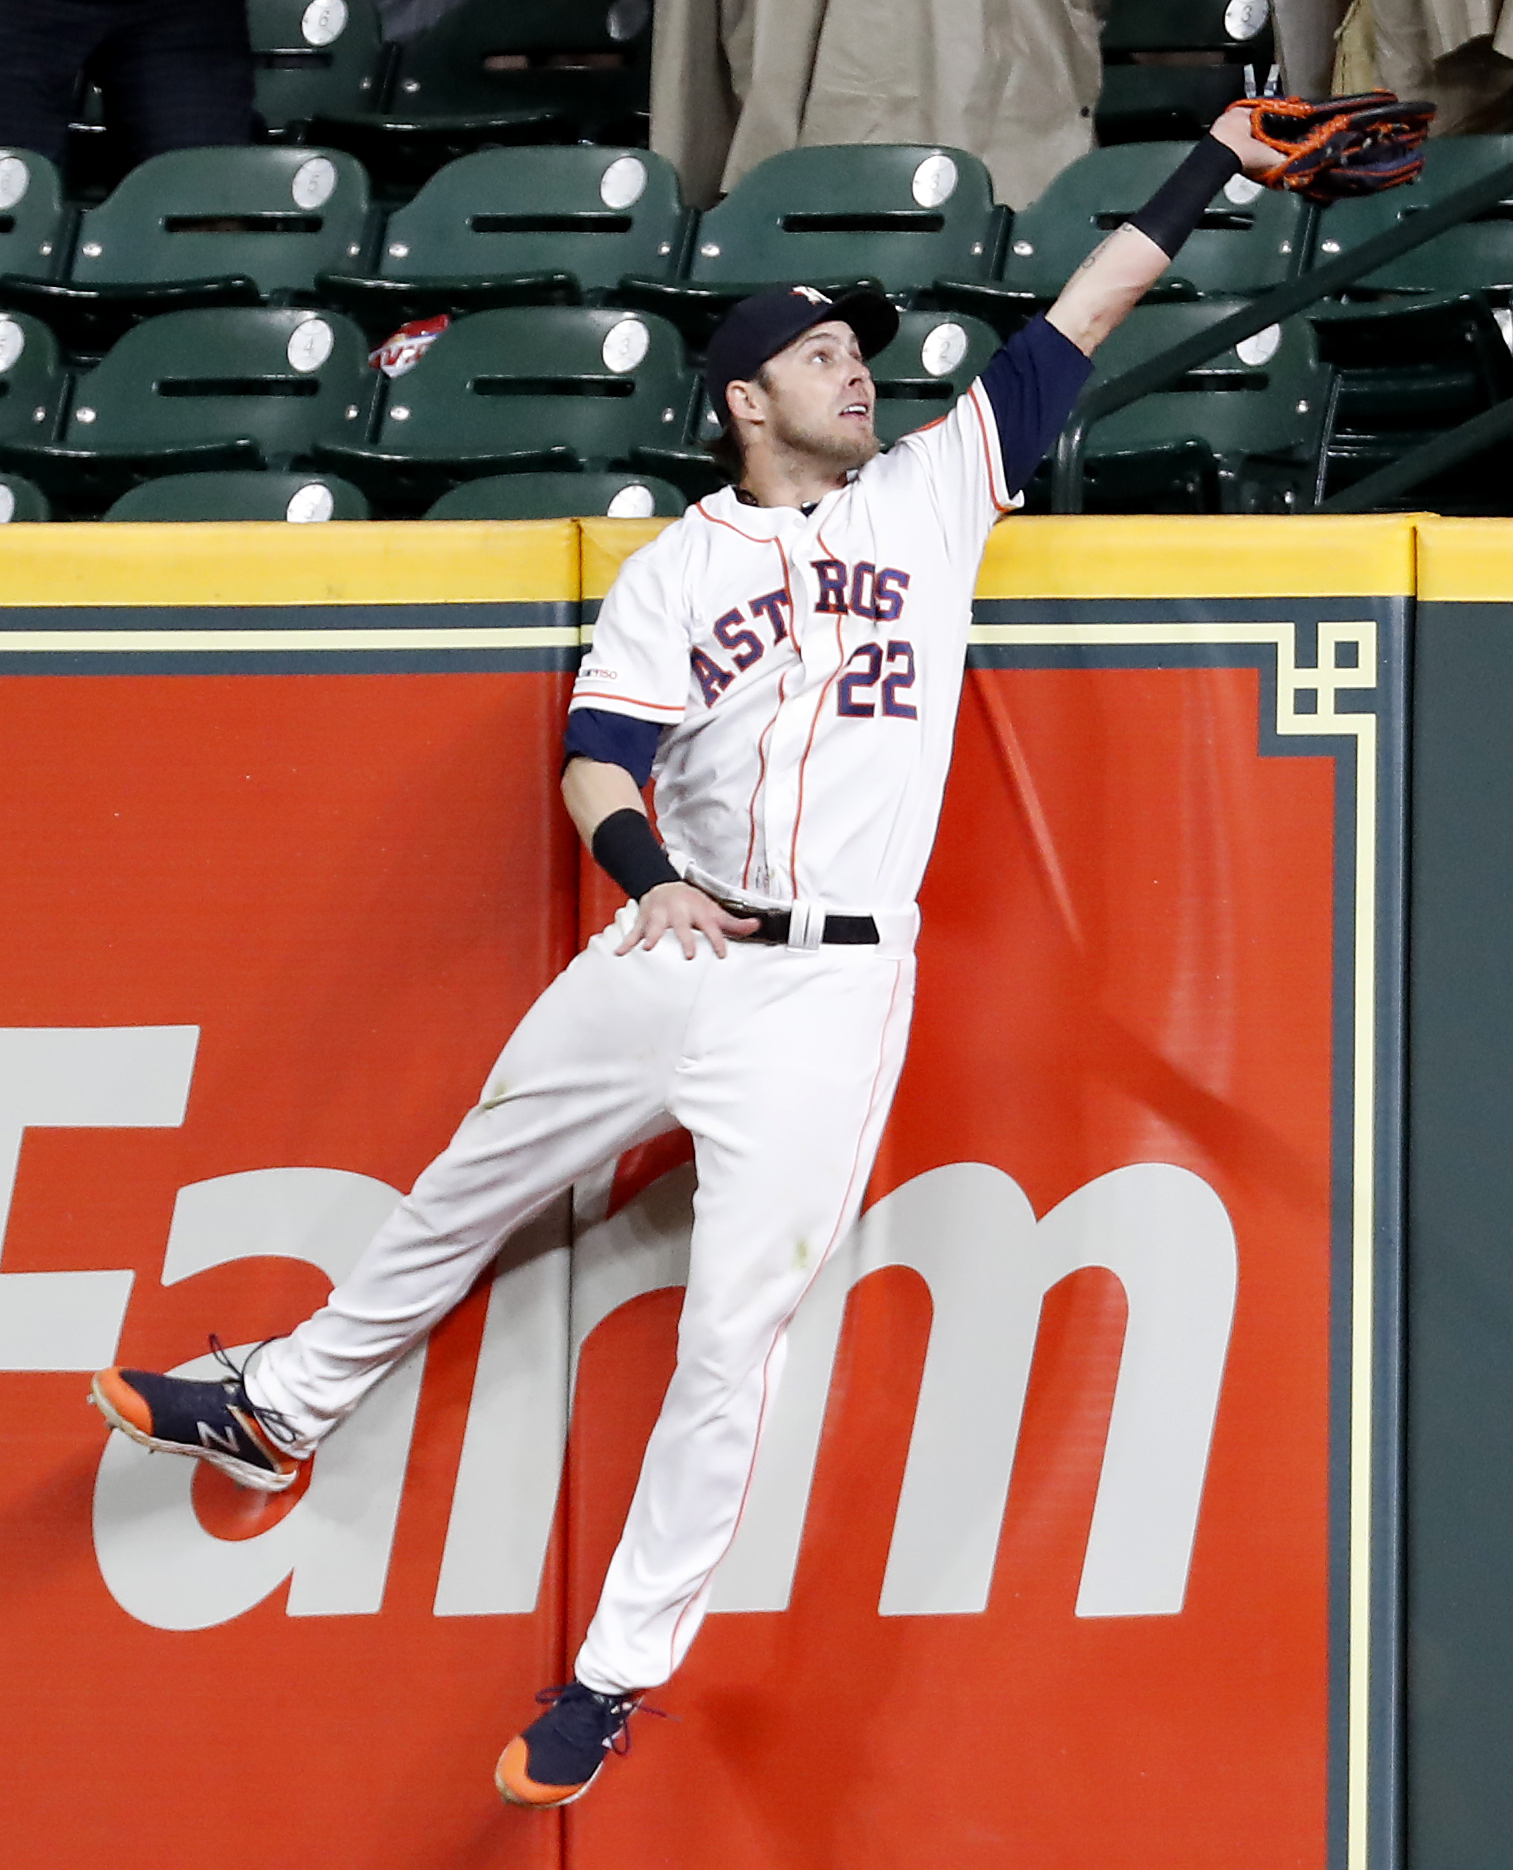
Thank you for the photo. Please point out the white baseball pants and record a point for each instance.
(781, 1063)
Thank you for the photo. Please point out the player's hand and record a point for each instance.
(689, 913)
(1233, 130)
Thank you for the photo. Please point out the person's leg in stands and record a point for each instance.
(43, 46)
(177, 74)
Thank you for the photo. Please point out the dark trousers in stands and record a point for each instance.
(176, 73)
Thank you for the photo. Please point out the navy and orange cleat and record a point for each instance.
(214, 1422)
(559, 1755)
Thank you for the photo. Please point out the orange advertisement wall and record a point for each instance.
(324, 872)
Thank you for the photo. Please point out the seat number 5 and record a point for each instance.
(864, 670)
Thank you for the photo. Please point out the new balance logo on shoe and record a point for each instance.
(210, 1439)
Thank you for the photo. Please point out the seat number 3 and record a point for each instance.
(854, 693)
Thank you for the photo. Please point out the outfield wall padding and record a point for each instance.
(1075, 1536)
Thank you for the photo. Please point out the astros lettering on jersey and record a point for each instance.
(807, 668)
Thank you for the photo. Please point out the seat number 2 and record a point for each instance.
(855, 693)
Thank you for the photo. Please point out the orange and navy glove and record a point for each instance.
(1341, 147)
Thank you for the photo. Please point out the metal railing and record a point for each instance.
(1159, 373)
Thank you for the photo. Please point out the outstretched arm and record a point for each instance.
(1115, 276)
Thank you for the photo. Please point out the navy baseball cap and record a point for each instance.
(768, 322)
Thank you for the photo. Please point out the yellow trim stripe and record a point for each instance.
(1084, 557)
(1465, 561)
(239, 642)
(358, 562)
(607, 543)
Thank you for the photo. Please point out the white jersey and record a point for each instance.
(807, 669)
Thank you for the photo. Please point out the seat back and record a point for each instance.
(589, 59)
(934, 358)
(1477, 255)
(241, 496)
(20, 501)
(32, 381)
(596, 213)
(1265, 397)
(599, 382)
(313, 56)
(1142, 103)
(560, 496)
(278, 214)
(1268, 396)
(1171, 66)
(32, 214)
(1250, 238)
(905, 214)
(286, 378)
(1239, 29)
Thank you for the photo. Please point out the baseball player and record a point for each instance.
(786, 660)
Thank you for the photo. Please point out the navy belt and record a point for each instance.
(851, 931)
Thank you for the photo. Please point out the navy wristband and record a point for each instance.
(625, 847)
(1177, 206)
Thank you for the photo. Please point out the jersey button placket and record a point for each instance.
(815, 639)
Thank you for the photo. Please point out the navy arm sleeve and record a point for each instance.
(1033, 382)
(615, 739)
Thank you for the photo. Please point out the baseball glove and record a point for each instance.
(1341, 147)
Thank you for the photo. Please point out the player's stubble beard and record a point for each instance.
(829, 448)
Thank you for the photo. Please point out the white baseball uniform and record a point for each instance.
(804, 670)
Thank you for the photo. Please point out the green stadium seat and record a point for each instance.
(1408, 369)
(1250, 239)
(33, 383)
(1420, 344)
(543, 226)
(238, 387)
(1171, 66)
(538, 388)
(204, 227)
(928, 365)
(33, 219)
(561, 496)
(240, 495)
(898, 215)
(20, 501)
(487, 75)
(1476, 256)
(1244, 433)
(311, 56)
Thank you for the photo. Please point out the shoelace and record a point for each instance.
(278, 1426)
(622, 1706)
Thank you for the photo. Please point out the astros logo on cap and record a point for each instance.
(813, 295)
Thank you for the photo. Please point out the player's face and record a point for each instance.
(817, 398)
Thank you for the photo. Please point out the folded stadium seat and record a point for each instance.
(33, 383)
(486, 74)
(311, 56)
(927, 366)
(545, 226)
(561, 496)
(1171, 66)
(238, 494)
(33, 218)
(234, 387)
(538, 388)
(898, 215)
(1422, 343)
(203, 227)
(19, 500)
(1250, 238)
(1244, 433)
